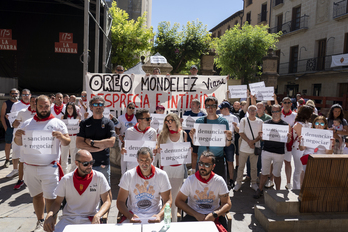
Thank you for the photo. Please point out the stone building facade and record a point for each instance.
(257, 12)
(228, 23)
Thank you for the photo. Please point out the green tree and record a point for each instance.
(240, 50)
(130, 39)
(180, 47)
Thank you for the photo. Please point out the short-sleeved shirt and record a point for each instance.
(60, 114)
(330, 122)
(256, 126)
(234, 119)
(144, 194)
(86, 204)
(204, 197)
(124, 124)
(238, 113)
(272, 146)
(217, 151)
(290, 119)
(264, 117)
(98, 129)
(190, 113)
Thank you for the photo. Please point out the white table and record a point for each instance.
(181, 227)
(126, 227)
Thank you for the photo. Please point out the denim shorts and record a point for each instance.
(229, 153)
(9, 135)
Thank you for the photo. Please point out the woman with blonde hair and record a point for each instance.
(173, 133)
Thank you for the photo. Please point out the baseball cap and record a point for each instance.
(160, 107)
(194, 66)
(225, 105)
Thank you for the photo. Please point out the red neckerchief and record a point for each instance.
(36, 118)
(153, 169)
(174, 132)
(81, 183)
(25, 103)
(58, 109)
(219, 226)
(198, 176)
(286, 114)
(71, 117)
(84, 100)
(129, 117)
(32, 111)
(136, 127)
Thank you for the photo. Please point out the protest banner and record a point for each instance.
(175, 153)
(209, 135)
(39, 142)
(254, 86)
(265, 94)
(175, 93)
(188, 122)
(230, 121)
(72, 125)
(157, 121)
(273, 132)
(12, 117)
(238, 91)
(314, 138)
(133, 146)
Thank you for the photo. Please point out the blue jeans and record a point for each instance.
(105, 171)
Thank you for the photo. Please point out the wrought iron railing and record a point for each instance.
(262, 17)
(339, 8)
(290, 26)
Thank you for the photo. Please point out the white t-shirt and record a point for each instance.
(144, 197)
(86, 204)
(204, 198)
(124, 124)
(290, 119)
(24, 115)
(19, 106)
(345, 150)
(133, 134)
(256, 126)
(234, 119)
(59, 116)
(83, 111)
(51, 125)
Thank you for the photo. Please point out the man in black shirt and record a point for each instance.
(272, 151)
(97, 135)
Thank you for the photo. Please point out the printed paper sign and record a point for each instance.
(265, 94)
(188, 122)
(238, 91)
(230, 121)
(314, 138)
(12, 117)
(175, 153)
(72, 125)
(157, 121)
(209, 135)
(39, 142)
(133, 146)
(277, 133)
(254, 86)
(106, 113)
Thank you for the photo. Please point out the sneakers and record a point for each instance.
(288, 186)
(269, 183)
(258, 194)
(7, 163)
(39, 226)
(254, 186)
(237, 187)
(246, 179)
(19, 184)
(231, 184)
(13, 173)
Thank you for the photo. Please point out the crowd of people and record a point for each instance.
(147, 185)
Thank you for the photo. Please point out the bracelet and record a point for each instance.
(229, 140)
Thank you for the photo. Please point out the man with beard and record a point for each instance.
(41, 169)
(18, 106)
(82, 190)
(144, 186)
(58, 109)
(5, 109)
(201, 194)
(97, 135)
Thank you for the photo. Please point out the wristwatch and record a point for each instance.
(92, 143)
(215, 215)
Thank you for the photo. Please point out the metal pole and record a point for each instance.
(85, 42)
(96, 46)
(104, 39)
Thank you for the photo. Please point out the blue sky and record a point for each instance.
(210, 13)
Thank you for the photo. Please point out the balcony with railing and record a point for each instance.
(277, 3)
(290, 27)
(262, 17)
(314, 64)
(340, 10)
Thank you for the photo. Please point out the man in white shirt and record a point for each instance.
(144, 186)
(82, 190)
(83, 104)
(203, 193)
(58, 109)
(41, 170)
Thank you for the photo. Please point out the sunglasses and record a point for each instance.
(132, 108)
(169, 121)
(97, 104)
(14, 93)
(147, 119)
(83, 95)
(26, 95)
(275, 111)
(120, 70)
(85, 164)
(321, 123)
(207, 165)
(210, 106)
(286, 102)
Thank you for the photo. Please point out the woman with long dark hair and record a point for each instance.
(336, 112)
(70, 113)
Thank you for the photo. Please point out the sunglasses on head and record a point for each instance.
(85, 164)
(98, 104)
(147, 119)
(207, 165)
(321, 123)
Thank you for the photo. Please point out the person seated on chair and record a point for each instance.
(82, 190)
(205, 191)
(144, 186)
